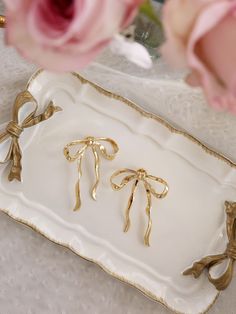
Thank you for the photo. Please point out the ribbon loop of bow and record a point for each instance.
(137, 176)
(96, 146)
(223, 281)
(15, 128)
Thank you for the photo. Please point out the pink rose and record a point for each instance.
(65, 35)
(201, 35)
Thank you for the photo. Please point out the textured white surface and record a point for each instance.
(40, 277)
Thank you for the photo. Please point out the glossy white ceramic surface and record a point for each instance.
(187, 225)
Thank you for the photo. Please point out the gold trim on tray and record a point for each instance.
(144, 291)
(207, 263)
(160, 120)
(146, 114)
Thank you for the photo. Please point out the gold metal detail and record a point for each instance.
(15, 128)
(172, 129)
(117, 276)
(137, 176)
(2, 21)
(223, 281)
(96, 147)
(146, 114)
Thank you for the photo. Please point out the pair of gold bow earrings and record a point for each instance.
(9, 140)
(75, 151)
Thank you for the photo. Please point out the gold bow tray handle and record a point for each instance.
(207, 263)
(14, 129)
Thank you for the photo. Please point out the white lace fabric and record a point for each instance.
(39, 277)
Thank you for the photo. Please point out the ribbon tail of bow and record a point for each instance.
(77, 186)
(129, 205)
(16, 156)
(148, 212)
(97, 173)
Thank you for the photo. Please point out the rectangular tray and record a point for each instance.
(187, 225)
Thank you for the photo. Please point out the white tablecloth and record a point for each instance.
(39, 277)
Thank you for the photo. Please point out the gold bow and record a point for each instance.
(139, 175)
(96, 146)
(15, 128)
(223, 281)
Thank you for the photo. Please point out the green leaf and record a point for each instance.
(147, 9)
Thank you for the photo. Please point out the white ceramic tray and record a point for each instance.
(187, 225)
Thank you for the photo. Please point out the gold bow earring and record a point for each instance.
(96, 147)
(139, 176)
(223, 281)
(15, 128)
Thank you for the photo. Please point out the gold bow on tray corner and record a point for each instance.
(15, 128)
(96, 145)
(137, 176)
(223, 281)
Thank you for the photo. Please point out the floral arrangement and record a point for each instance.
(66, 35)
